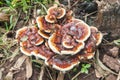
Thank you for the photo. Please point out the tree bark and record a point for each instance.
(108, 19)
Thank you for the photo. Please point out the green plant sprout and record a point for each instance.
(117, 42)
(85, 68)
(9, 27)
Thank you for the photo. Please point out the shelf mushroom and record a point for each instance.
(60, 40)
(55, 13)
(43, 24)
(70, 39)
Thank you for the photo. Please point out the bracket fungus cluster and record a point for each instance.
(60, 39)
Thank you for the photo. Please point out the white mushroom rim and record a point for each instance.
(18, 31)
(75, 51)
(65, 69)
(53, 47)
(100, 35)
(62, 69)
(88, 31)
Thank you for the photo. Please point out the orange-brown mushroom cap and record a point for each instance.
(63, 63)
(58, 12)
(29, 33)
(43, 52)
(50, 18)
(90, 47)
(29, 39)
(56, 45)
(43, 24)
(26, 48)
(79, 30)
(91, 44)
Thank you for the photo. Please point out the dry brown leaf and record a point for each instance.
(19, 63)
(4, 17)
(15, 52)
(9, 76)
(28, 68)
(114, 51)
(98, 75)
(1, 70)
(99, 72)
(15, 68)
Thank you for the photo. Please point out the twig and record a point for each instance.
(44, 7)
(89, 15)
(35, 11)
(42, 72)
(89, 74)
(69, 4)
(118, 78)
(74, 4)
(49, 74)
(76, 75)
(60, 76)
(17, 19)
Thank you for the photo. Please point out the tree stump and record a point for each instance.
(108, 19)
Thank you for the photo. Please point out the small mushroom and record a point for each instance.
(46, 28)
(63, 63)
(50, 18)
(29, 34)
(58, 12)
(29, 39)
(43, 24)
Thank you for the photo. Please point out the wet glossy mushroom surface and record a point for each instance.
(61, 40)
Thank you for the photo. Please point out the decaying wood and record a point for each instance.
(109, 17)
